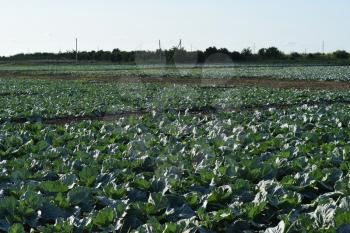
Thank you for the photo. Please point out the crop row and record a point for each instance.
(271, 170)
(276, 72)
(49, 99)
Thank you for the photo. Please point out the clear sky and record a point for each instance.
(293, 25)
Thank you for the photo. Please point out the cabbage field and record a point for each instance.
(339, 73)
(86, 155)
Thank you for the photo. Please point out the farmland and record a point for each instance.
(288, 72)
(94, 148)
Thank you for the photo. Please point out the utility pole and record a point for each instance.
(323, 47)
(160, 52)
(76, 50)
(180, 44)
(254, 48)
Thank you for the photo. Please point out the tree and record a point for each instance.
(262, 52)
(295, 55)
(224, 51)
(116, 55)
(247, 52)
(236, 56)
(271, 52)
(210, 51)
(341, 54)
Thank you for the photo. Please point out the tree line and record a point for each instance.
(179, 55)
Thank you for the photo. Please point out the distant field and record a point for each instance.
(340, 73)
(81, 154)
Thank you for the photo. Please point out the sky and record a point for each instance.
(52, 26)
